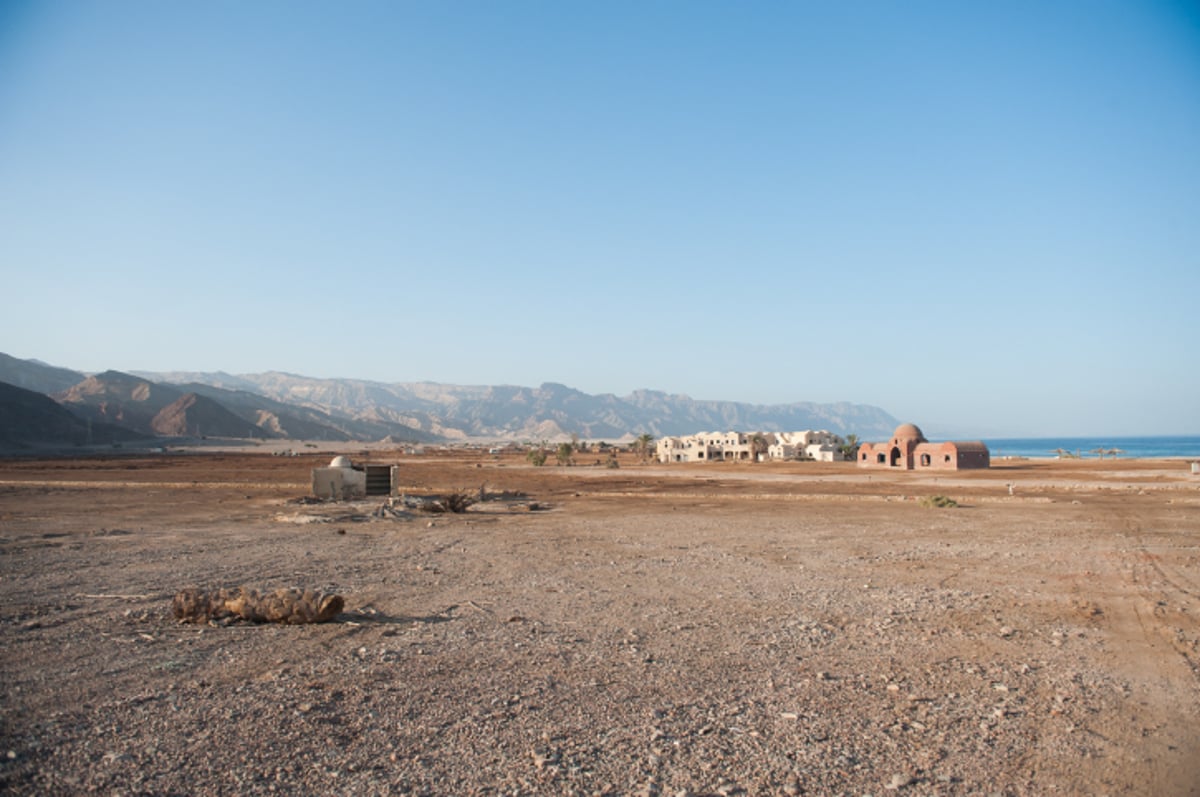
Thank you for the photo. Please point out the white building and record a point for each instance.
(342, 480)
(737, 446)
(821, 446)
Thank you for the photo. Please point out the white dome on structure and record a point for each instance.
(340, 462)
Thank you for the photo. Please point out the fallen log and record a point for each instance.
(289, 606)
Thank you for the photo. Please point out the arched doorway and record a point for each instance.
(895, 456)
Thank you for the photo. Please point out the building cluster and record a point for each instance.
(732, 446)
(907, 450)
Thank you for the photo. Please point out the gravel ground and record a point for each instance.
(655, 631)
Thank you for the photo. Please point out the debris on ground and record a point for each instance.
(289, 606)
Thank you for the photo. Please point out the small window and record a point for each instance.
(925, 460)
(947, 459)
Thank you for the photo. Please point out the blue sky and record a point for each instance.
(984, 218)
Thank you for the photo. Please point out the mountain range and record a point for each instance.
(276, 405)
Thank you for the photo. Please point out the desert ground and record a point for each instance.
(773, 629)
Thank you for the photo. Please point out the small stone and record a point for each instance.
(12, 754)
(899, 781)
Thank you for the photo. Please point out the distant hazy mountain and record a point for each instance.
(195, 409)
(35, 375)
(288, 406)
(551, 410)
(28, 417)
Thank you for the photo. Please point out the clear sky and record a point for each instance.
(982, 217)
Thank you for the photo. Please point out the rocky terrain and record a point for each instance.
(772, 629)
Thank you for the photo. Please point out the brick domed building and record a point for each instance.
(909, 450)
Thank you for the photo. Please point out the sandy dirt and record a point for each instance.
(650, 630)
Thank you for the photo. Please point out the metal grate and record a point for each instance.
(379, 479)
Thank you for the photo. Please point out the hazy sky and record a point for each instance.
(982, 217)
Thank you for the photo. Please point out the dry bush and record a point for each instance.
(457, 502)
(289, 606)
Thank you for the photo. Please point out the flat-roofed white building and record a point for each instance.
(744, 446)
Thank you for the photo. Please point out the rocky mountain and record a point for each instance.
(549, 411)
(194, 409)
(119, 398)
(289, 406)
(28, 417)
(192, 415)
(36, 375)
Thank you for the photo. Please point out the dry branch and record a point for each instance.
(290, 606)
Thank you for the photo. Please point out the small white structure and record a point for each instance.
(342, 480)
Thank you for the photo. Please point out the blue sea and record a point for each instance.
(1129, 447)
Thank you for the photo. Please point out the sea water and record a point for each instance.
(1129, 447)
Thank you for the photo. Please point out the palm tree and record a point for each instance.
(642, 445)
(849, 449)
(758, 445)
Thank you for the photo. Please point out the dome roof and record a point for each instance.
(340, 462)
(908, 431)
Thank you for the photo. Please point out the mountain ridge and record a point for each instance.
(522, 412)
(280, 405)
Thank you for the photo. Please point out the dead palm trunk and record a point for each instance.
(289, 606)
